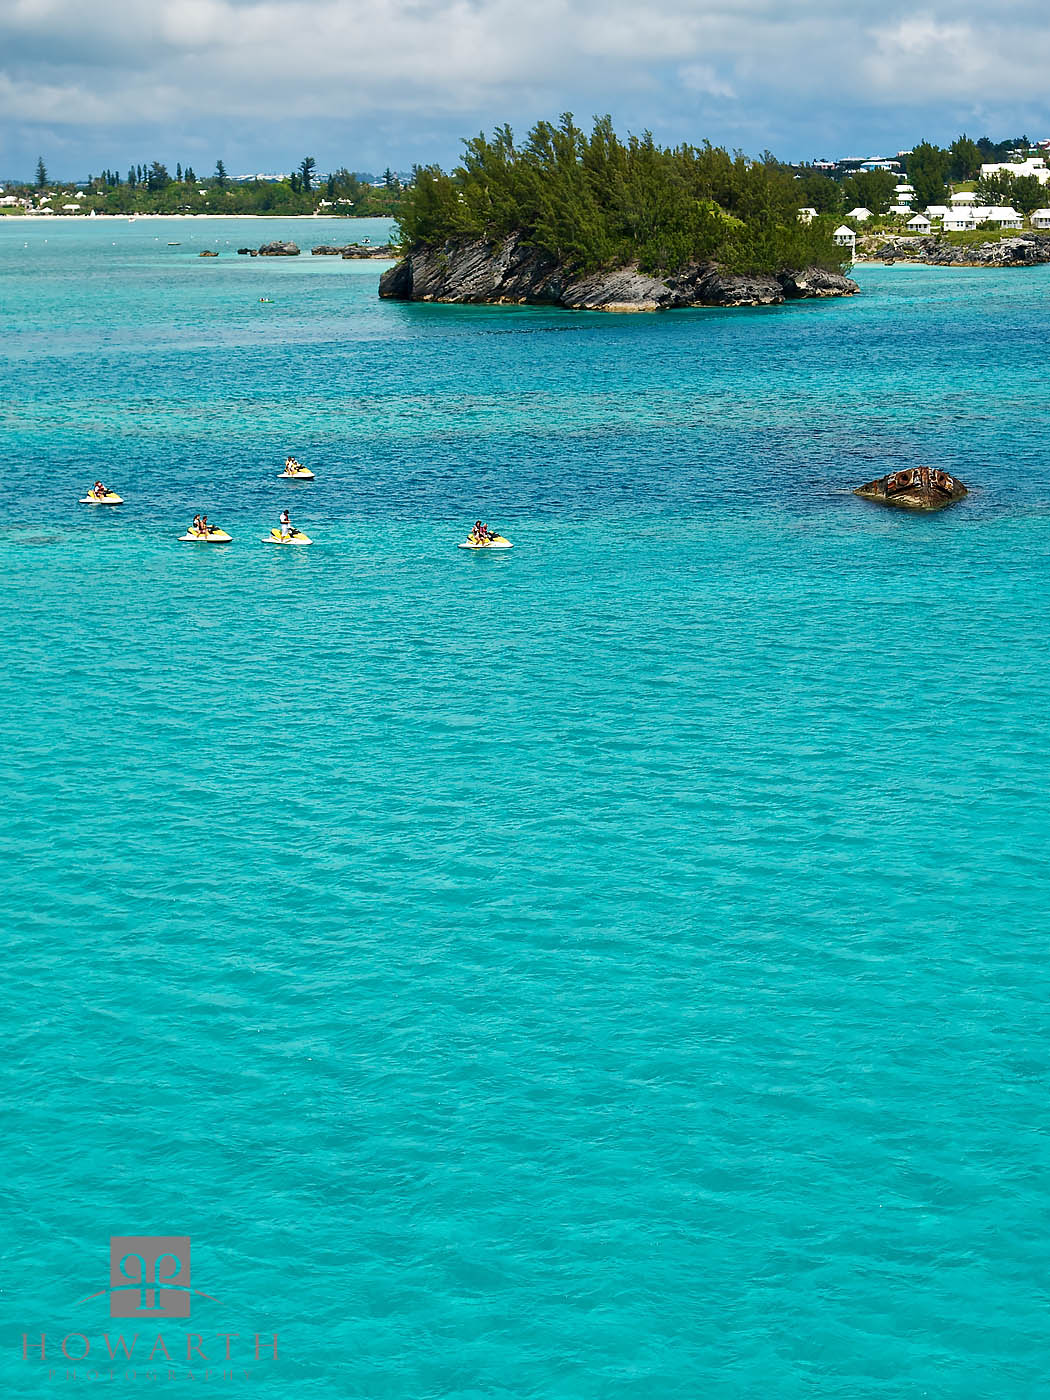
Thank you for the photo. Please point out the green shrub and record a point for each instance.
(592, 202)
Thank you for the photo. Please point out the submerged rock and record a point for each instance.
(509, 271)
(207, 254)
(279, 250)
(917, 488)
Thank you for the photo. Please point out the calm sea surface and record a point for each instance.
(616, 968)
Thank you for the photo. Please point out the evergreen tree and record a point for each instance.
(998, 188)
(966, 159)
(594, 201)
(928, 168)
(132, 179)
(221, 178)
(41, 173)
(178, 172)
(869, 189)
(158, 177)
(818, 191)
(1028, 194)
(307, 166)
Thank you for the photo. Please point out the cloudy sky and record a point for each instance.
(367, 83)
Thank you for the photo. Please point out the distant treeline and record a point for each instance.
(928, 169)
(154, 189)
(594, 201)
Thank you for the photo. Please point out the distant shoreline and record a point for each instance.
(134, 218)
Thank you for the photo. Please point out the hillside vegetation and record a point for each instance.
(593, 202)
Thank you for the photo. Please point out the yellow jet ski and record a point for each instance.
(109, 499)
(296, 537)
(495, 542)
(296, 474)
(213, 535)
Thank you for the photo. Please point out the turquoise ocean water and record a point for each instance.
(616, 968)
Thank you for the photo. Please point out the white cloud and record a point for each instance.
(408, 67)
(701, 77)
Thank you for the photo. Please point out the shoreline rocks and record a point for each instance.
(354, 250)
(463, 270)
(283, 249)
(1018, 250)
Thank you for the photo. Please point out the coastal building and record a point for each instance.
(960, 220)
(937, 211)
(899, 211)
(807, 215)
(963, 197)
(860, 214)
(905, 194)
(1040, 218)
(1035, 165)
(1000, 214)
(844, 237)
(919, 224)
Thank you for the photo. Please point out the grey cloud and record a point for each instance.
(82, 74)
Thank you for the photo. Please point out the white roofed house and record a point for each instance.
(1000, 214)
(919, 224)
(905, 194)
(1035, 165)
(937, 211)
(860, 214)
(807, 215)
(898, 210)
(844, 237)
(960, 219)
(1041, 218)
(963, 197)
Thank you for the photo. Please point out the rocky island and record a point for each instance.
(510, 272)
(599, 224)
(355, 250)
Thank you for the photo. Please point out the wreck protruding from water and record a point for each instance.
(916, 488)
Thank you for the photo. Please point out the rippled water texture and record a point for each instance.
(616, 968)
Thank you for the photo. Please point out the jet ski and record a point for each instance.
(296, 537)
(490, 542)
(296, 474)
(213, 535)
(109, 499)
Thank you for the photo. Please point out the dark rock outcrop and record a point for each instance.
(244, 250)
(354, 250)
(279, 250)
(475, 270)
(916, 488)
(1017, 250)
(207, 254)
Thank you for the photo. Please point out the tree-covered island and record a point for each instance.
(590, 220)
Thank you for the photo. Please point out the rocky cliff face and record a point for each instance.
(1019, 250)
(468, 270)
